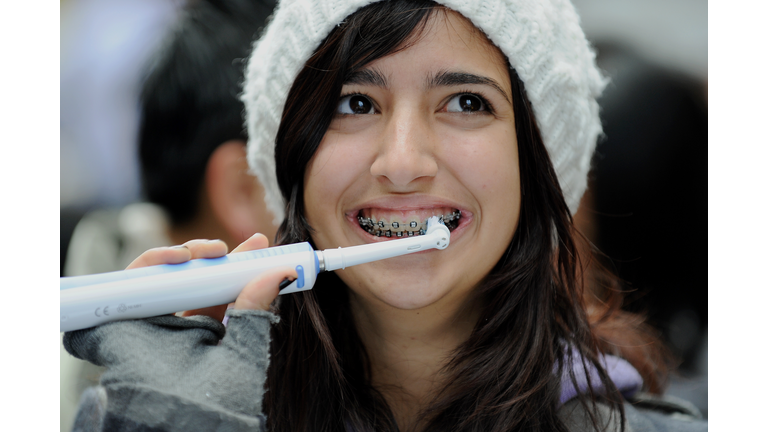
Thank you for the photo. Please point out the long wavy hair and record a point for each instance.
(507, 375)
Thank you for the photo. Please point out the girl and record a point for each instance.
(365, 119)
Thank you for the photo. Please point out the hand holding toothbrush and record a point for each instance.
(92, 300)
(201, 375)
(255, 295)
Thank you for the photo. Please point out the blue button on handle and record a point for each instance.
(300, 278)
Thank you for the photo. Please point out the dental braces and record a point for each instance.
(397, 229)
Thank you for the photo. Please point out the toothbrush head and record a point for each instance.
(437, 229)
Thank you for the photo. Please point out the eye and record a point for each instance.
(355, 104)
(467, 103)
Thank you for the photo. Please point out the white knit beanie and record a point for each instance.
(542, 39)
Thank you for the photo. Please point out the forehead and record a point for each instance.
(447, 40)
(445, 23)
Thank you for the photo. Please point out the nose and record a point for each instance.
(406, 150)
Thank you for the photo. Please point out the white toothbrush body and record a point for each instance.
(88, 301)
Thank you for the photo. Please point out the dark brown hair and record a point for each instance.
(506, 376)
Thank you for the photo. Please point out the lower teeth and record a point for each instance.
(397, 229)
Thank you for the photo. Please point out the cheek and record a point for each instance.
(333, 169)
(318, 179)
(488, 164)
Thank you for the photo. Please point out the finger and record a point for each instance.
(255, 242)
(215, 312)
(206, 248)
(263, 289)
(162, 255)
(211, 249)
(200, 248)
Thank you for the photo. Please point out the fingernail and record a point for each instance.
(179, 247)
(213, 241)
(285, 283)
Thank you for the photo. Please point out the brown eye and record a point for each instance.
(355, 104)
(467, 103)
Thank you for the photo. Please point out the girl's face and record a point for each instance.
(425, 131)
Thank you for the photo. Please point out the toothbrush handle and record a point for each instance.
(93, 279)
(170, 290)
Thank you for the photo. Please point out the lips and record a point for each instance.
(396, 224)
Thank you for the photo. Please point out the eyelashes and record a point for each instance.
(356, 103)
(466, 102)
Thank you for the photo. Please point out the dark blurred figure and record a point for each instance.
(191, 112)
(191, 145)
(104, 46)
(646, 207)
(192, 153)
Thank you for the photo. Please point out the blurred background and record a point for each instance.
(646, 208)
(104, 48)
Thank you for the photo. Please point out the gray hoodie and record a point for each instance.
(169, 374)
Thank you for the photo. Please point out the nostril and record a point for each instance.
(403, 166)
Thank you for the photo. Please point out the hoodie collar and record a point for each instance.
(625, 377)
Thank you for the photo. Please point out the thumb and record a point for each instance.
(262, 290)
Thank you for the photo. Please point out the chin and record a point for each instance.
(410, 298)
(407, 290)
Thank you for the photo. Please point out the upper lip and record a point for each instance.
(405, 203)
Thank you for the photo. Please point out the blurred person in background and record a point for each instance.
(192, 156)
(646, 208)
(104, 46)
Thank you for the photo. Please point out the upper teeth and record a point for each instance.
(398, 229)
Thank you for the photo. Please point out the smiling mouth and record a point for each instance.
(398, 226)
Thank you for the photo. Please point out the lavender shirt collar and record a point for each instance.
(626, 378)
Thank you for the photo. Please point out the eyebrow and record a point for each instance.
(446, 78)
(367, 77)
(441, 79)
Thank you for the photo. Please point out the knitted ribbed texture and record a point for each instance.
(542, 39)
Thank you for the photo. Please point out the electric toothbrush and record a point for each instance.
(91, 300)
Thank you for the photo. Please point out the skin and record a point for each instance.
(412, 154)
(231, 201)
(230, 208)
(258, 294)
